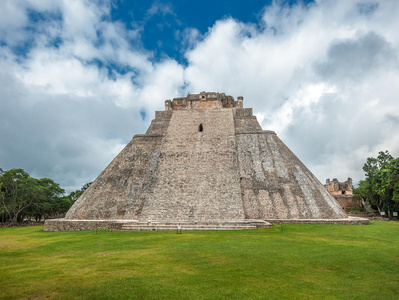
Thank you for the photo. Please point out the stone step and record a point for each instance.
(195, 223)
(188, 224)
(172, 225)
(168, 227)
(196, 226)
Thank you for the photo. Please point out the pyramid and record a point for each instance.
(204, 163)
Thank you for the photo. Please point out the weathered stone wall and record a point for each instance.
(343, 221)
(117, 191)
(160, 123)
(203, 100)
(245, 122)
(74, 225)
(204, 104)
(339, 188)
(274, 182)
(347, 200)
(197, 175)
(342, 192)
(204, 164)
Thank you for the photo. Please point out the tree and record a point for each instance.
(2, 210)
(18, 192)
(24, 196)
(381, 185)
(46, 201)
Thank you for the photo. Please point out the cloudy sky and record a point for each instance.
(79, 78)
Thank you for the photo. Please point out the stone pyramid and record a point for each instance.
(204, 160)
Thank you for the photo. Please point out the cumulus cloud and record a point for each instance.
(324, 76)
(352, 59)
(75, 97)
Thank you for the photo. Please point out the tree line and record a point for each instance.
(23, 197)
(381, 184)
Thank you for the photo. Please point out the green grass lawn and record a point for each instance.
(288, 261)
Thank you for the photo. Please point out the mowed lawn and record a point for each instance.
(286, 261)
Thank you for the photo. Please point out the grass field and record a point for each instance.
(289, 261)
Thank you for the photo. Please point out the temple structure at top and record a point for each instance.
(204, 100)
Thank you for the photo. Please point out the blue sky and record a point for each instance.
(164, 22)
(79, 78)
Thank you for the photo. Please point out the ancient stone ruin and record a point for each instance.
(342, 192)
(204, 163)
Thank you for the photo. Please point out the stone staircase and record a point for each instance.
(189, 226)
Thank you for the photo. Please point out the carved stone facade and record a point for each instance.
(342, 192)
(203, 100)
(204, 160)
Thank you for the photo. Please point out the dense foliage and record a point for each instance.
(381, 185)
(24, 197)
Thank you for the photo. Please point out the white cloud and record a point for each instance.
(161, 84)
(11, 16)
(324, 76)
(66, 110)
(303, 102)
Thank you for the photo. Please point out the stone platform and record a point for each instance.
(134, 225)
(344, 221)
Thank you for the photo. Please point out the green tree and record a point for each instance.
(18, 192)
(47, 200)
(381, 185)
(24, 196)
(2, 210)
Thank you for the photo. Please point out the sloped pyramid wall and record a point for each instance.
(230, 169)
(197, 176)
(119, 192)
(275, 184)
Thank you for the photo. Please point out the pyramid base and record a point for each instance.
(344, 221)
(134, 225)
